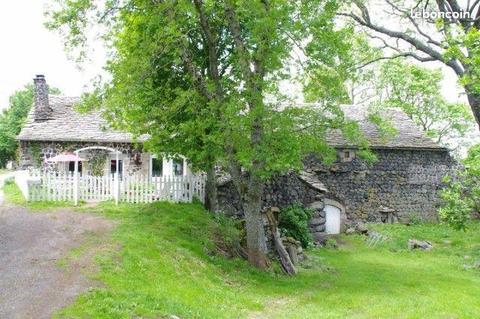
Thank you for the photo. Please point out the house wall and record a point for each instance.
(281, 192)
(33, 154)
(404, 181)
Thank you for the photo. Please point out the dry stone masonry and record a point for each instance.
(399, 186)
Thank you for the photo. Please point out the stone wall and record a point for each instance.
(401, 183)
(33, 154)
(283, 191)
(404, 183)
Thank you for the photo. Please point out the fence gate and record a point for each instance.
(96, 188)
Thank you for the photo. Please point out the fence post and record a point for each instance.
(75, 197)
(116, 188)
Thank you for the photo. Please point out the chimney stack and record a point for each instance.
(42, 108)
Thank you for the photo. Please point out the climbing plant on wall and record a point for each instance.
(97, 162)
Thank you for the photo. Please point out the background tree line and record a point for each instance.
(12, 119)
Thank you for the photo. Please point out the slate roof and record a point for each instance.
(65, 124)
(409, 136)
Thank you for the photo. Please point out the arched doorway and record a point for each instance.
(334, 217)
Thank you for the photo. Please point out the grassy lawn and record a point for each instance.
(160, 263)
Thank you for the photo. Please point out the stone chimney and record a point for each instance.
(40, 92)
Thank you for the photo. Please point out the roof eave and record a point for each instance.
(403, 148)
(29, 139)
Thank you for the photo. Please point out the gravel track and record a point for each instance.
(32, 285)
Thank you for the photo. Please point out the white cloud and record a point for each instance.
(28, 48)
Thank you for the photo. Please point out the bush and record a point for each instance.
(227, 236)
(462, 195)
(293, 222)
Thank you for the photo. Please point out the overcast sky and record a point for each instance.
(28, 48)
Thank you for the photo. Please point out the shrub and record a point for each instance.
(293, 222)
(227, 236)
(461, 197)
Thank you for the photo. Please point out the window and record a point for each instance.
(157, 167)
(71, 166)
(347, 155)
(113, 167)
(178, 166)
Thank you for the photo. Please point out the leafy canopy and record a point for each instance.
(416, 90)
(156, 44)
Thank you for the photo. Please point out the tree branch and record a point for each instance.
(414, 42)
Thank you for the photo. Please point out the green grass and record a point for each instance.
(160, 263)
(13, 195)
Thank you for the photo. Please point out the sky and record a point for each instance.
(27, 48)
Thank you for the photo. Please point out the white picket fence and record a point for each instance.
(145, 189)
(54, 186)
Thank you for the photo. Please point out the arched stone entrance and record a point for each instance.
(328, 219)
(335, 217)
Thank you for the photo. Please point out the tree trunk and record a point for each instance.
(256, 242)
(211, 196)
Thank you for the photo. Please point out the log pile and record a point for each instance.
(284, 256)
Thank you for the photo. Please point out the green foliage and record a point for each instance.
(457, 209)
(203, 79)
(462, 196)
(12, 193)
(36, 151)
(12, 120)
(96, 163)
(227, 235)
(464, 47)
(385, 127)
(416, 90)
(293, 222)
(153, 90)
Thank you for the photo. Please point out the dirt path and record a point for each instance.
(32, 285)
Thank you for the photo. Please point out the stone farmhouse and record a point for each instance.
(54, 127)
(402, 184)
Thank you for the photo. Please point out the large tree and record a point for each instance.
(452, 38)
(202, 78)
